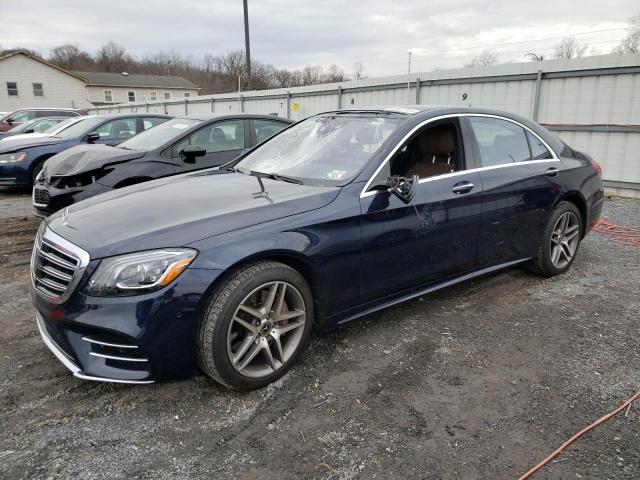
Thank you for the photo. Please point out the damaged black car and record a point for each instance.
(176, 146)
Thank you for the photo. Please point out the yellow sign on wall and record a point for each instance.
(296, 106)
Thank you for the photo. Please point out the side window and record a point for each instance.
(500, 141)
(538, 150)
(121, 128)
(44, 125)
(149, 122)
(436, 150)
(217, 137)
(267, 128)
(131, 96)
(24, 116)
(108, 96)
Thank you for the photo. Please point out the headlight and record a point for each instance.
(137, 273)
(13, 157)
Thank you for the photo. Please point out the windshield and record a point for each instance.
(327, 149)
(80, 128)
(159, 135)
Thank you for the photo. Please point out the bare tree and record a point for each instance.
(70, 57)
(569, 48)
(534, 57)
(358, 71)
(486, 59)
(112, 57)
(631, 43)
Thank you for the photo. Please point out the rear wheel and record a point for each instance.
(255, 326)
(560, 241)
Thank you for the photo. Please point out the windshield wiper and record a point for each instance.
(276, 176)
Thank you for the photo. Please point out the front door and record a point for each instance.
(223, 141)
(432, 237)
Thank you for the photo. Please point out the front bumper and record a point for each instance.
(68, 361)
(15, 174)
(138, 339)
(47, 199)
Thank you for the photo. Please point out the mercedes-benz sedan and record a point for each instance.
(338, 216)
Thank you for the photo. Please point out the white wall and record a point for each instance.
(121, 94)
(60, 89)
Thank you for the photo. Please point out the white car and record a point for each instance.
(52, 132)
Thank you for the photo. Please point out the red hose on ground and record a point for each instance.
(579, 434)
(619, 233)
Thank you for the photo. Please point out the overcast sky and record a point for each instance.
(295, 33)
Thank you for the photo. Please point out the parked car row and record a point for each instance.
(338, 216)
(11, 120)
(176, 146)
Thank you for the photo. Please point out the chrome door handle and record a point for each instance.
(462, 187)
(552, 172)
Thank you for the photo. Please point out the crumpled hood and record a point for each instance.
(177, 211)
(84, 158)
(11, 144)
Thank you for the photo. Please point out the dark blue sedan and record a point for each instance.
(335, 217)
(21, 160)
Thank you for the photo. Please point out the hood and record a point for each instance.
(12, 144)
(84, 158)
(20, 136)
(180, 210)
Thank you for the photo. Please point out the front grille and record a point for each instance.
(40, 196)
(56, 265)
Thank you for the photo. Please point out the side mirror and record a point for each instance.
(403, 188)
(190, 152)
(9, 121)
(92, 137)
(29, 130)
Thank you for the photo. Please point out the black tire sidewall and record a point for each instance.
(222, 363)
(562, 208)
(37, 168)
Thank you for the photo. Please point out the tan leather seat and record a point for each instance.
(437, 146)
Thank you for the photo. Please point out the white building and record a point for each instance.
(27, 81)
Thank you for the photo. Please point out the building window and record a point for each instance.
(132, 96)
(187, 94)
(38, 90)
(108, 96)
(167, 95)
(153, 96)
(12, 89)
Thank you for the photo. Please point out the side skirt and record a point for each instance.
(430, 289)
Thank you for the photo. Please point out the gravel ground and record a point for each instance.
(480, 381)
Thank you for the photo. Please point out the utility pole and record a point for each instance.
(409, 80)
(247, 48)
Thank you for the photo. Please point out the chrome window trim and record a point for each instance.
(364, 193)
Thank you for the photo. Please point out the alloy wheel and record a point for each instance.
(564, 239)
(266, 329)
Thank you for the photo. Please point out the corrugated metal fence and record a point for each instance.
(593, 103)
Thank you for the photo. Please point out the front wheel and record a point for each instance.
(560, 241)
(255, 326)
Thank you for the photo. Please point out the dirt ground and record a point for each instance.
(480, 381)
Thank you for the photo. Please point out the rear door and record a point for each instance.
(223, 141)
(519, 178)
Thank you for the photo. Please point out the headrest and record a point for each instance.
(437, 141)
(217, 135)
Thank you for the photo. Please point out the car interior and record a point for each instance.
(433, 151)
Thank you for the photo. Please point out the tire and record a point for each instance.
(550, 261)
(36, 171)
(238, 322)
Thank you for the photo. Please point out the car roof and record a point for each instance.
(48, 108)
(218, 116)
(109, 116)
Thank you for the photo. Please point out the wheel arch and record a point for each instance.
(579, 201)
(299, 262)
